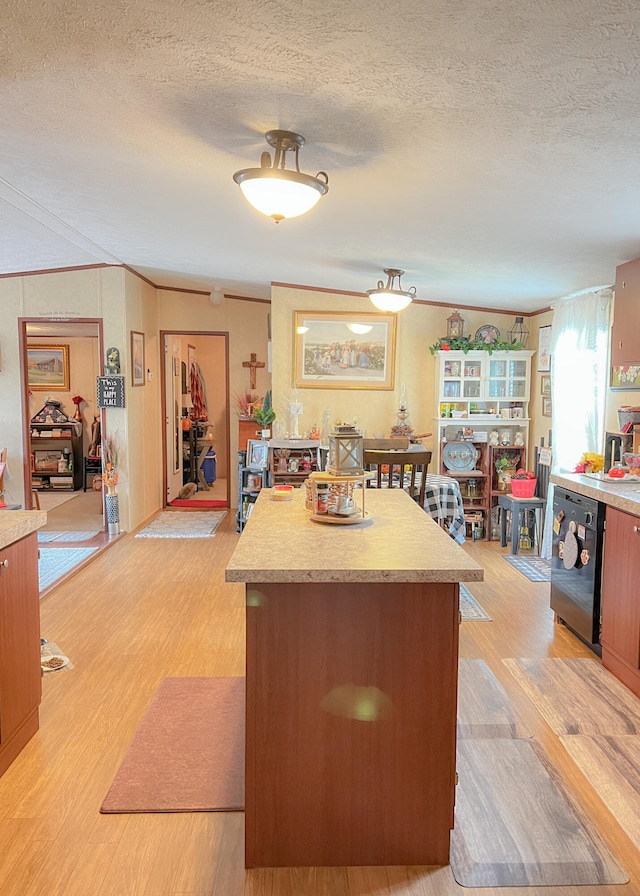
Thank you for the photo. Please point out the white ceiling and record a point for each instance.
(488, 147)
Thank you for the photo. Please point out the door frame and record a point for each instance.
(166, 410)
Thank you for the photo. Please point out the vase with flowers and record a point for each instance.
(110, 479)
(77, 400)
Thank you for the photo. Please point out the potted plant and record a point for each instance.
(506, 466)
(265, 415)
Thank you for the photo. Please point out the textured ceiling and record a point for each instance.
(488, 147)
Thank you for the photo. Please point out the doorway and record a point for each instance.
(71, 512)
(196, 410)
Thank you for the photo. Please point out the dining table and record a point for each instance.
(443, 501)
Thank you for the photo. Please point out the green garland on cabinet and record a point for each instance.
(464, 344)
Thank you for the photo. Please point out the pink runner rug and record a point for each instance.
(188, 753)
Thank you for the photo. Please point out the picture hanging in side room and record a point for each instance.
(626, 377)
(48, 368)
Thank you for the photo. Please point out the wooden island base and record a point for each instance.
(351, 715)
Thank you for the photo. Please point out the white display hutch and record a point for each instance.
(478, 393)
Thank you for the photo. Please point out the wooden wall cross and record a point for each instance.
(253, 364)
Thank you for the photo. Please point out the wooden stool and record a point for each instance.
(516, 506)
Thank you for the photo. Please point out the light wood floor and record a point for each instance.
(145, 609)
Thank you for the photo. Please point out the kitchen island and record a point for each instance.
(352, 657)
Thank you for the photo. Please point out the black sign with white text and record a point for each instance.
(110, 391)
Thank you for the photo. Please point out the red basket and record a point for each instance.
(523, 488)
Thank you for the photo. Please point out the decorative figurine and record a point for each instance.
(112, 365)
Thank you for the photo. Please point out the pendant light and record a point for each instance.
(276, 191)
(391, 297)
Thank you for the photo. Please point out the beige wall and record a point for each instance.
(418, 327)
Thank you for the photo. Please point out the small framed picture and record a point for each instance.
(257, 454)
(137, 358)
(546, 407)
(517, 413)
(544, 349)
(545, 385)
(294, 464)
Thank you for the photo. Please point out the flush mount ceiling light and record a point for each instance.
(391, 297)
(276, 191)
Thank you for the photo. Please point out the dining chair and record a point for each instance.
(403, 468)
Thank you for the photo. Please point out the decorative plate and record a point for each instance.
(487, 334)
(459, 456)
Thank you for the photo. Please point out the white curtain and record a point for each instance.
(579, 383)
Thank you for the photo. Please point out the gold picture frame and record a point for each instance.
(344, 350)
(48, 368)
(545, 385)
(546, 407)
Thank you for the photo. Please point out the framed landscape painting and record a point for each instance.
(344, 350)
(137, 358)
(48, 368)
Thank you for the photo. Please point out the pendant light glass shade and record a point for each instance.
(276, 191)
(391, 298)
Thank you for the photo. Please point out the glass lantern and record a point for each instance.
(345, 452)
(455, 326)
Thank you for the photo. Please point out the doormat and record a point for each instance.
(517, 826)
(188, 752)
(577, 696)
(536, 569)
(56, 562)
(611, 765)
(470, 608)
(484, 707)
(191, 502)
(66, 536)
(177, 524)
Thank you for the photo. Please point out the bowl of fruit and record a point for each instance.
(523, 483)
(632, 463)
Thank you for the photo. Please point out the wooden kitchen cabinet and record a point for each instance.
(20, 673)
(625, 333)
(620, 605)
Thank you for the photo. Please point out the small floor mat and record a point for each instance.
(576, 695)
(66, 536)
(517, 826)
(536, 569)
(177, 524)
(56, 562)
(470, 608)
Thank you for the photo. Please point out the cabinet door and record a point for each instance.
(20, 675)
(625, 334)
(620, 576)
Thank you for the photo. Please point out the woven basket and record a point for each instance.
(523, 488)
(336, 490)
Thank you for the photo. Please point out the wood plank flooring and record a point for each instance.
(143, 610)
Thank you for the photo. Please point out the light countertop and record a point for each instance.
(399, 543)
(623, 494)
(17, 524)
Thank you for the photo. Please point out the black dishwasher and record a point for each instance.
(576, 564)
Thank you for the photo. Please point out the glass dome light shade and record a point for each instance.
(391, 297)
(280, 193)
(389, 301)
